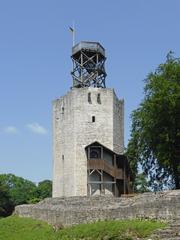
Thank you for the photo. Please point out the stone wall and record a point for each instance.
(73, 130)
(76, 210)
(118, 125)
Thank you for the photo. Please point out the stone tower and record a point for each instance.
(88, 131)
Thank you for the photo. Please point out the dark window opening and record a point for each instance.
(62, 110)
(93, 119)
(89, 98)
(63, 157)
(99, 98)
(95, 152)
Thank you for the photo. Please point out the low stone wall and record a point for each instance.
(76, 210)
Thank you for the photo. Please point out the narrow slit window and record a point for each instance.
(89, 98)
(93, 119)
(99, 98)
(62, 110)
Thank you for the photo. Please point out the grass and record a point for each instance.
(16, 228)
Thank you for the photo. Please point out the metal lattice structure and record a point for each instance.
(88, 65)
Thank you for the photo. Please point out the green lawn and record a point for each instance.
(16, 228)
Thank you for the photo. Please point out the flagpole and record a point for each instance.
(73, 34)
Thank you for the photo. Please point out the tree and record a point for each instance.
(6, 205)
(155, 133)
(141, 184)
(17, 190)
(44, 189)
(20, 190)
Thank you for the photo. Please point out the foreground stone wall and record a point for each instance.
(76, 210)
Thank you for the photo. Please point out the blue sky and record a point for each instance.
(35, 65)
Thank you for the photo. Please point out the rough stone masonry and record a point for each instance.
(73, 130)
(75, 210)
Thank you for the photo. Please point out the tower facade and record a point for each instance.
(88, 131)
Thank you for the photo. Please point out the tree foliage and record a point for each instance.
(20, 189)
(6, 205)
(141, 184)
(44, 189)
(155, 134)
(17, 190)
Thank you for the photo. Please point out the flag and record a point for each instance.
(71, 29)
(73, 34)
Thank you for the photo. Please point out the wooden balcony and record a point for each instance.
(101, 164)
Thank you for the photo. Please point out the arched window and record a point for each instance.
(95, 152)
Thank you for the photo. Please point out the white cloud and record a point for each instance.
(11, 130)
(37, 128)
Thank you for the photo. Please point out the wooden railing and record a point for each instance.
(101, 164)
